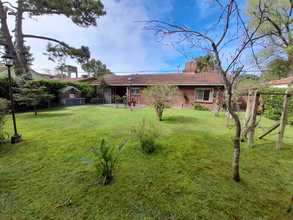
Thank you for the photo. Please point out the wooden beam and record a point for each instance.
(283, 121)
(274, 127)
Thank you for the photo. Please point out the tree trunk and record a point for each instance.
(21, 67)
(290, 61)
(6, 33)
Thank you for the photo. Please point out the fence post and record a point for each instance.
(252, 121)
(283, 121)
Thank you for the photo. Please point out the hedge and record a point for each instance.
(273, 104)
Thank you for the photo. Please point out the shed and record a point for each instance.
(70, 95)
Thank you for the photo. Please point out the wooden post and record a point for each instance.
(217, 104)
(248, 105)
(283, 121)
(252, 121)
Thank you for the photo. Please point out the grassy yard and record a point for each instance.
(189, 177)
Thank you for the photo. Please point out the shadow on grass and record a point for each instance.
(48, 114)
(179, 120)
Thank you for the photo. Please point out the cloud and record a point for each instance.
(119, 40)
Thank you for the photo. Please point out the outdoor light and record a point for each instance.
(9, 61)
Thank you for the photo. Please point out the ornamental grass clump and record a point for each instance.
(146, 134)
(105, 160)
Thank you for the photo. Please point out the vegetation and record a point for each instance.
(188, 176)
(205, 63)
(3, 109)
(276, 69)
(160, 96)
(82, 13)
(273, 104)
(199, 107)
(32, 95)
(96, 68)
(146, 133)
(106, 158)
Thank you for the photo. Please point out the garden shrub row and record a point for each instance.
(273, 104)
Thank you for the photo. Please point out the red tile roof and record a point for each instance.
(284, 81)
(206, 78)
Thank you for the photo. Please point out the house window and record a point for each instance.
(204, 95)
(135, 91)
(71, 95)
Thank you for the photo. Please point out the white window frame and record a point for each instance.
(211, 95)
(135, 91)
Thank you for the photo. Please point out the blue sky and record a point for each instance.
(119, 40)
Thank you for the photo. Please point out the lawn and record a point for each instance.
(188, 177)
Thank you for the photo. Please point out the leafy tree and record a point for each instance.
(96, 68)
(83, 13)
(160, 96)
(205, 63)
(276, 69)
(32, 96)
(277, 27)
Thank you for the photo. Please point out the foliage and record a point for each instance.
(96, 68)
(199, 107)
(105, 160)
(160, 96)
(276, 69)
(32, 95)
(146, 133)
(273, 104)
(205, 63)
(4, 87)
(3, 109)
(192, 165)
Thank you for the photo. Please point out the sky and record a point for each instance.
(120, 39)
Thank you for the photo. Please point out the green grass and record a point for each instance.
(189, 177)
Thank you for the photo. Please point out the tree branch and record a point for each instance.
(46, 38)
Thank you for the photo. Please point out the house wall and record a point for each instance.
(186, 97)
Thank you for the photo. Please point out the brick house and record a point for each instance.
(282, 83)
(205, 88)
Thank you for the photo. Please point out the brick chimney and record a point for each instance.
(190, 67)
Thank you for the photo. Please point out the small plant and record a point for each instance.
(105, 160)
(3, 109)
(146, 134)
(199, 107)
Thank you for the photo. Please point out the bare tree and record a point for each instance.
(232, 31)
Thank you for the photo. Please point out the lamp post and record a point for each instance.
(8, 60)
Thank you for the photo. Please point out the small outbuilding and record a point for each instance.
(70, 95)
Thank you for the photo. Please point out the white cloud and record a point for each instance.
(119, 40)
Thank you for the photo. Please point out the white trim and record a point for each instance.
(211, 94)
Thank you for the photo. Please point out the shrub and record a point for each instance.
(161, 96)
(146, 134)
(199, 107)
(105, 160)
(3, 109)
(273, 104)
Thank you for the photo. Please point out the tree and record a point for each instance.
(32, 95)
(276, 69)
(205, 63)
(83, 13)
(160, 96)
(232, 30)
(277, 27)
(96, 68)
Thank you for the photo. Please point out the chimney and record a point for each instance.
(190, 67)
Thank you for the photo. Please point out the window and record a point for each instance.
(71, 95)
(135, 91)
(204, 95)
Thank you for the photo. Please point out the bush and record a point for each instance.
(273, 104)
(146, 134)
(105, 161)
(199, 107)
(3, 110)
(4, 87)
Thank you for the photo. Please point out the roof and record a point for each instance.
(68, 88)
(179, 79)
(284, 81)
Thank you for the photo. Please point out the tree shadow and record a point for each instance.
(48, 115)
(179, 120)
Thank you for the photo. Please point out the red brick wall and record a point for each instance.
(186, 97)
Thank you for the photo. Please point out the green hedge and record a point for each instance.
(273, 104)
